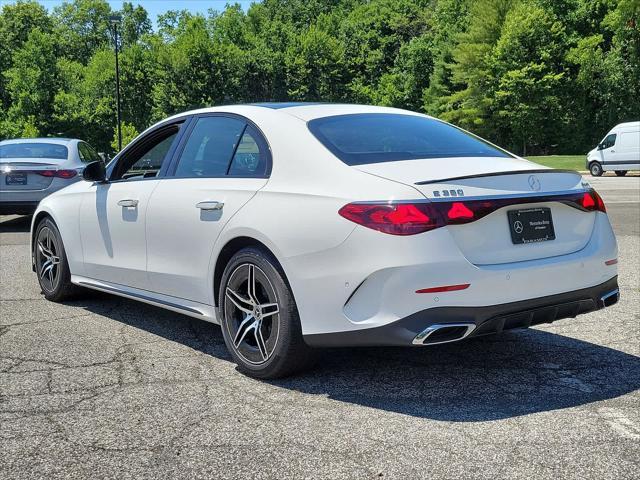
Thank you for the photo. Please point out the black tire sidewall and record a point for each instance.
(621, 173)
(289, 322)
(598, 169)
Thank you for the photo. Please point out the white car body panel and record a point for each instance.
(344, 277)
(114, 237)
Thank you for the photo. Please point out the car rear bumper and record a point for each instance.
(466, 322)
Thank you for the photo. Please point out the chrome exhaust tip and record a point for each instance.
(610, 298)
(444, 333)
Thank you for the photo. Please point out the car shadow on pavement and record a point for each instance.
(15, 224)
(488, 378)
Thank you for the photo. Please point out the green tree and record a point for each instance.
(82, 27)
(32, 81)
(129, 133)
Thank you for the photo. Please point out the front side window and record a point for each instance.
(609, 141)
(210, 147)
(358, 139)
(145, 157)
(50, 151)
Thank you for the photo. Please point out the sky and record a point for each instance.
(156, 7)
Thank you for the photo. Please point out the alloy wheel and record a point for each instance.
(48, 259)
(251, 313)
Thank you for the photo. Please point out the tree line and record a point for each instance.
(535, 76)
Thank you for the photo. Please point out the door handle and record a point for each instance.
(210, 205)
(128, 203)
(613, 151)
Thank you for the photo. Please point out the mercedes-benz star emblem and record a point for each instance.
(518, 227)
(534, 183)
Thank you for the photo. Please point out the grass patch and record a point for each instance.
(569, 162)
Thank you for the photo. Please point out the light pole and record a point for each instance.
(115, 20)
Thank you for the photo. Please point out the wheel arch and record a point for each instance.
(230, 248)
(37, 218)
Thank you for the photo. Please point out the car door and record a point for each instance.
(222, 162)
(112, 214)
(608, 149)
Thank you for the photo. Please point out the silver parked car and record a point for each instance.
(32, 168)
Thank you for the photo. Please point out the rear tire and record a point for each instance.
(52, 267)
(596, 169)
(259, 318)
(621, 173)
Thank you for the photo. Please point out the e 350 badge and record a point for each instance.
(448, 193)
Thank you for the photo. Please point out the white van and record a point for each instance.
(619, 151)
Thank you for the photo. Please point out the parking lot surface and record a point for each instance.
(104, 387)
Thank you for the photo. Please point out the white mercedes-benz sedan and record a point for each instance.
(296, 226)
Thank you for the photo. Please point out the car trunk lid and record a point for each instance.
(533, 194)
(26, 175)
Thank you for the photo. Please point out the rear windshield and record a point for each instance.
(386, 137)
(34, 150)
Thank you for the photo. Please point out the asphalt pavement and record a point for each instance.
(104, 387)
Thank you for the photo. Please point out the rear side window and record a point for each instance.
(87, 153)
(34, 150)
(382, 137)
(250, 158)
(211, 144)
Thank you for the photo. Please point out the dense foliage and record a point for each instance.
(543, 76)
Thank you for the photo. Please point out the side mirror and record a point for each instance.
(94, 172)
(601, 146)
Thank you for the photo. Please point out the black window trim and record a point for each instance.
(183, 124)
(261, 141)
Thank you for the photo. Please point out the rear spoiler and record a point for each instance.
(496, 174)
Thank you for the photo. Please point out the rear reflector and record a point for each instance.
(410, 218)
(445, 288)
(613, 261)
(57, 173)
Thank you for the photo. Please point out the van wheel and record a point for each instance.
(621, 173)
(596, 169)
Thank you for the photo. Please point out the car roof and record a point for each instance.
(301, 110)
(51, 140)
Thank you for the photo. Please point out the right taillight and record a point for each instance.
(593, 202)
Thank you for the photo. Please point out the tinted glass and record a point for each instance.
(87, 154)
(150, 162)
(610, 141)
(250, 157)
(34, 150)
(210, 147)
(381, 137)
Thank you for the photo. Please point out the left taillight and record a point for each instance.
(393, 218)
(57, 173)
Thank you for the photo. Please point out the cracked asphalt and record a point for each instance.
(104, 387)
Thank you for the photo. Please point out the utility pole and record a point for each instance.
(115, 21)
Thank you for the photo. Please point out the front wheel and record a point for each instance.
(259, 317)
(596, 169)
(621, 173)
(51, 263)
